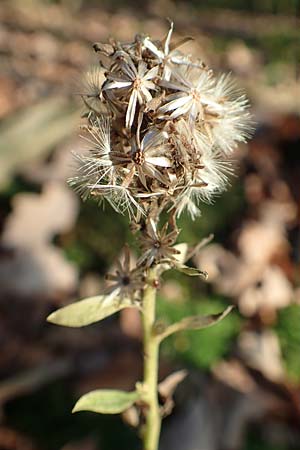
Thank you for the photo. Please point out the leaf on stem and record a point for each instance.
(195, 323)
(88, 311)
(178, 263)
(192, 271)
(106, 401)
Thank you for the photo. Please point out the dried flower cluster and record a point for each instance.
(161, 128)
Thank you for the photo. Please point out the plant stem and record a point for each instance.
(151, 354)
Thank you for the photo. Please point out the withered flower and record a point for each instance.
(126, 282)
(167, 55)
(169, 129)
(161, 130)
(90, 90)
(137, 81)
(192, 94)
(144, 156)
(157, 245)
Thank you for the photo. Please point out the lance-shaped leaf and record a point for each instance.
(106, 401)
(88, 311)
(191, 271)
(194, 323)
(184, 254)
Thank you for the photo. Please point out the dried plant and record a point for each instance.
(161, 128)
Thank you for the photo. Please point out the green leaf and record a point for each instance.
(191, 271)
(199, 322)
(106, 401)
(200, 349)
(87, 311)
(194, 323)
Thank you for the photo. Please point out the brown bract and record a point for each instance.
(158, 245)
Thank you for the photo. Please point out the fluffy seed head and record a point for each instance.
(161, 127)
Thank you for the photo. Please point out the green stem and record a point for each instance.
(151, 354)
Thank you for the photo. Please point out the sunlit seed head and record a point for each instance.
(163, 129)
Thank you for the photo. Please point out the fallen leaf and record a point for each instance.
(261, 350)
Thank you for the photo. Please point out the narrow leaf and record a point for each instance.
(195, 323)
(106, 401)
(192, 271)
(87, 311)
(198, 322)
(178, 263)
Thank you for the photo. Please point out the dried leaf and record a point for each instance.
(131, 416)
(38, 272)
(47, 124)
(55, 208)
(38, 266)
(167, 387)
(261, 350)
(270, 290)
(260, 241)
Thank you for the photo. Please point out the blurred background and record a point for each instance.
(243, 387)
